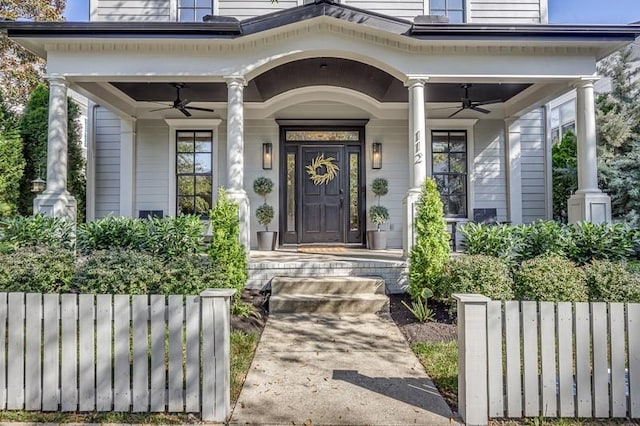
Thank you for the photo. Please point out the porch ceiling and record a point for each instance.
(323, 71)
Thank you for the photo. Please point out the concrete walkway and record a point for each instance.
(337, 370)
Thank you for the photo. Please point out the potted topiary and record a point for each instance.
(266, 239)
(379, 215)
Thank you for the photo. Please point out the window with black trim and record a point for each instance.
(194, 172)
(194, 10)
(454, 9)
(450, 171)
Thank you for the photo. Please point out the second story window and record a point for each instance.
(194, 10)
(454, 9)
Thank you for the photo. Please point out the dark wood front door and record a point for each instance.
(322, 198)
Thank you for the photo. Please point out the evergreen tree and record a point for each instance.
(33, 126)
(618, 119)
(565, 174)
(11, 164)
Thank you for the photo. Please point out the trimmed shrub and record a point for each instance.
(36, 270)
(540, 238)
(111, 233)
(587, 241)
(38, 230)
(486, 275)
(226, 253)
(612, 282)
(500, 241)
(431, 248)
(119, 271)
(551, 279)
(190, 275)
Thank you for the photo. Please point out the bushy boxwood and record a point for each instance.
(550, 278)
(612, 282)
(36, 270)
(486, 275)
(190, 275)
(38, 230)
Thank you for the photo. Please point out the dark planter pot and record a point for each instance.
(267, 240)
(377, 240)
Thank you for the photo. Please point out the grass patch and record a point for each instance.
(440, 360)
(243, 346)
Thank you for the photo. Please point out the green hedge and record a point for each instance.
(551, 279)
(37, 270)
(612, 282)
(486, 275)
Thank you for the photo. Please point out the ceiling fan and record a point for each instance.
(467, 103)
(181, 104)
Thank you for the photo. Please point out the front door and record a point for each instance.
(322, 199)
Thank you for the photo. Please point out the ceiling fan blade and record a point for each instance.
(199, 109)
(161, 109)
(457, 112)
(492, 101)
(184, 111)
(181, 103)
(482, 110)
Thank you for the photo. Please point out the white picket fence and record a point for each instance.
(123, 353)
(531, 359)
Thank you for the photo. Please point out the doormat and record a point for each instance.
(321, 249)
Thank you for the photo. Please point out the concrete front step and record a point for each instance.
(328, 303)
(327, 285)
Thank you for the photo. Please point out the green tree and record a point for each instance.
(565, 174)
(21, 70)
(618, 119)
(11, 165)
(431, 249)
(33, 127)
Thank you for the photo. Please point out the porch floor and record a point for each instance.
(327, 261)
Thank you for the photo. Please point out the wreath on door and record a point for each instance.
(330, 170)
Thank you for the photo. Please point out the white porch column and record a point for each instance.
(235, 154)
(56, 201)
(127, 167)
(514, 170)
(418, 159)
(588, 204)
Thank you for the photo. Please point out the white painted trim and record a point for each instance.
(173, 10)
(548, 165)
(127, 167)
(216, 7)
(176, 124)
(425, 7)
(544, 11)
(91, 162)
(459, 124)
(467, 12)
(93, 10)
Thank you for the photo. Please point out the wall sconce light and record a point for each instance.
(376, 157)
(267, 158)
(38, 185)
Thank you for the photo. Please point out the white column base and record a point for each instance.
(244, 213)
(60, 204)
(589, 207)
(409, 207)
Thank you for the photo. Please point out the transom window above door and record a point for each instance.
(454, 9)
(194, 10)
(449, 155)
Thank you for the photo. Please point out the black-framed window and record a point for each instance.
(450, 170)
(454, 9)
(194, 10)
(194, 172)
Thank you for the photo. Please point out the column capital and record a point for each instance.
(584, 82)
(415, 80)
(57, 79)
(233, 80)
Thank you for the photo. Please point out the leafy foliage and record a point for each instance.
(379, 215)
(587, 241)
(33, 127)
(565, 174)
(431, 248)
(263, 186)
(486, 275)
(111, 233)
(551, 279)
(612, 282)
(11, 165)
(492, 240)
(541, 238)
(265, 214)
(226, 252)
(420, 310)
(36, 270)
(38, 230)
(380, 187)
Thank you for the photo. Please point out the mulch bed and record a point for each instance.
(443, 329)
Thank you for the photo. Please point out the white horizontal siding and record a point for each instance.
(243, 9)
(489, 169)
(532, 140)
(152, 166)
(107, 163)
(407, 9)
(505, 11)
(131, 10)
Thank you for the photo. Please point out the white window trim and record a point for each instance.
(176, 124)
(467, 125)
(467, 4)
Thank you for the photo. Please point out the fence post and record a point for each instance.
(472, 358)
(215, 304)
